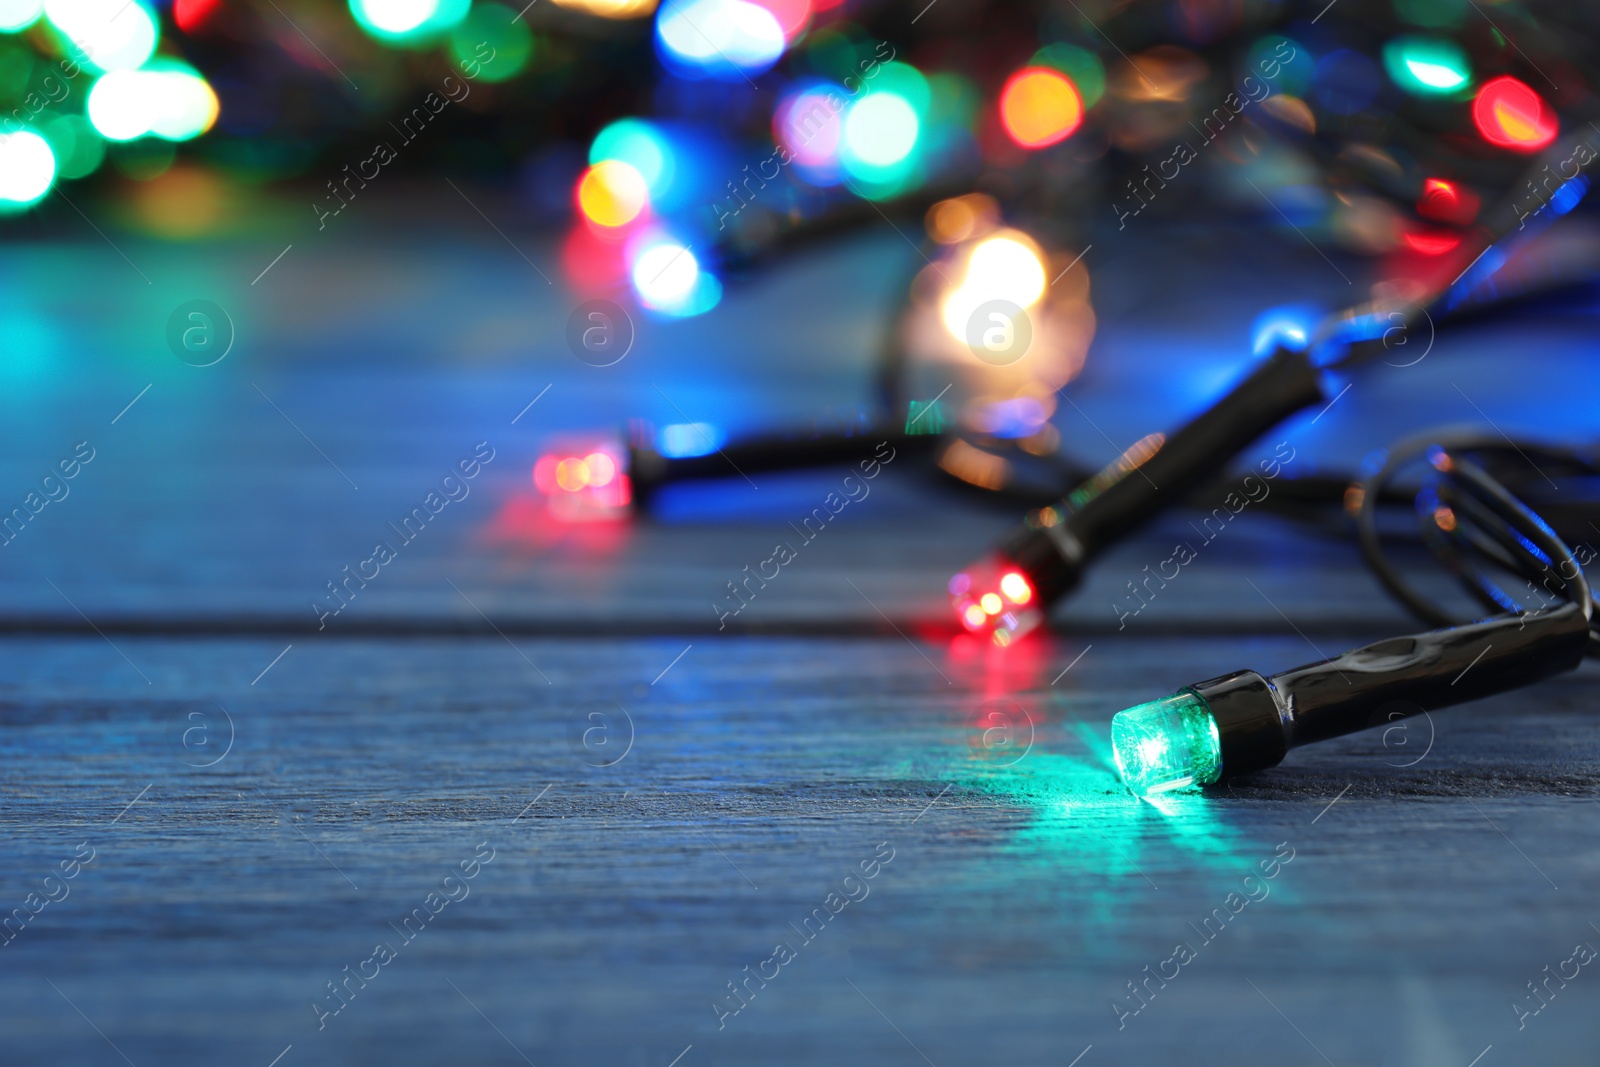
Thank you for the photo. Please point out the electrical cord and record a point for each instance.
(1468, 517)
(1243, 721)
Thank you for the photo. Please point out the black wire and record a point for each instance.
(1468, 516)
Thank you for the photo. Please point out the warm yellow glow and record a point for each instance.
(572, 474)
(991, 603)
(962, 218)
(612, 9)
(612, 193)
(1007, 266)
(1016, 587)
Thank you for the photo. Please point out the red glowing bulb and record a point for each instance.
(1432, 243)
(1511, 115)
(191, 15)
(994, 596)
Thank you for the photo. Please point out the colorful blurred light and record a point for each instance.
(1447, 202)
(881, 146)
(687, 439)
(408, 21)
(27, 167)
(1040, 107)
(79, 150)
(725, 39)
(112, 34)
(881, 129)
(643, 147)
(1287, 326)
(393, 17)
(18, 15)
(1511, 115)
(584, 482)
(612, 193)
(1431, 242)
(1426, 65)
(664, 275)
(995, 595)
(499, 28)
(169, 99)
(192, 15)
(612, 9)
(1007, 266)
(667, 278)
(1016, 587)
(792, 15)
(808, 124)
(961, 218)
(1081, 66)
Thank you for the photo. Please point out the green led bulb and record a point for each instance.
(1167, 744)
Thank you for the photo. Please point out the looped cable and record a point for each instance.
(1469, 518)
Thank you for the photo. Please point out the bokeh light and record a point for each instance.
(1040, 107)
(1006, 266)
(1081, 66)
(27, 167)
(809, 124)
(667, 278)
(168, 99)
(78, 149)
(612, 9)
(1511, 115)
(683, 440)
(961, 218)
(192, 15)
(881, 129)
(612, 193)
(1426, 65)
(498, 27)
(112, 34)
(725, 39)
(408, 21)
(19, 14)
(642, 146)
(793, 15)
(881, 143)
(665, 274)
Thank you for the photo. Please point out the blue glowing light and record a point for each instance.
(686, 439)
(1567, 197)
(1289, 326)
(723, 39)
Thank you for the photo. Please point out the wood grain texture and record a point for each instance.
(1019, 902)
(1437, 867)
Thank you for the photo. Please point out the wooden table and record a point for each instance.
(785, 842)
